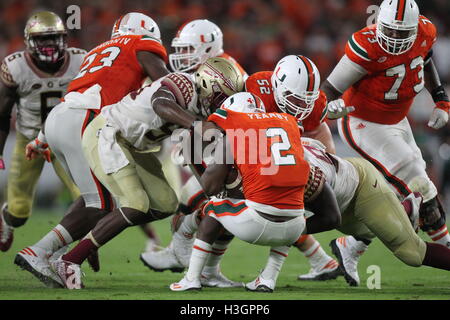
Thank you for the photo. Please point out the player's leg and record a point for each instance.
(176, 256)
(22, 179)
(393, 151)
(323, 267)
(141, 190)
(379, 209)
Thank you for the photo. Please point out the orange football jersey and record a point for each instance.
(268, 153)
(386, 93)
(259, 84)
(114, 66)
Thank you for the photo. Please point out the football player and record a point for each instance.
(384, 67)
(194, 42)
(113, 144)
(271, 212)
(109, 72)
(370, 209)
(293, 87)
(34, 80)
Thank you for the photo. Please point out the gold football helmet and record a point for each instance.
(216, 80)
(45, 37)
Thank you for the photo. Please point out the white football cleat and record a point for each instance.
(6, 232)
(328, 271)
(152, 246)
(185, 285)
(182, 247)
(162, 260)
(35, 261)
(218, 280)
(348, 258)
(261, 285)
(70, 273)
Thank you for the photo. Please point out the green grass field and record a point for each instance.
(123, 276)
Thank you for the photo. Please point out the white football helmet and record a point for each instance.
(295, 83)
(397, 25)
(194, 43)
(134, 23)
(244, 102)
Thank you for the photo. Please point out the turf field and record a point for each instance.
(123, 276)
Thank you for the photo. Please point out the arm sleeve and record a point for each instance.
(6, 76)
(346, 73)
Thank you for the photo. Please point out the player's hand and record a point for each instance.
(2, 163)
(439, 117)
(37, 148)
(337, 109)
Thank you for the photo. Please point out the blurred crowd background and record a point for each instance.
(258, 33)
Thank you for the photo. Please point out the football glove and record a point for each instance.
(439, 117)
(37, 148)
(337, 109)
(2, 163)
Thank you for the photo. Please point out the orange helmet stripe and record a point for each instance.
(401, 6)
(310, 70)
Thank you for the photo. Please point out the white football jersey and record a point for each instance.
(136, 120)
(339, 173)
(38, 91)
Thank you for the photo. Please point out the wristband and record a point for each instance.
(41, 137)
(439, 94)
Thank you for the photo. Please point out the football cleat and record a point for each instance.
(348, 260)
(162, 260)
(185, 285)
(328, 271)
(70, 273)
(6, 233)
(218, 280)
(261, 285)
(35, 261)
(152, 246)
(182, 247)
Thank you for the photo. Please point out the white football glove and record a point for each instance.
(337, 109)
(438, 118)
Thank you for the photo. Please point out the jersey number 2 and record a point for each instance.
(400, 72)
(283, 145)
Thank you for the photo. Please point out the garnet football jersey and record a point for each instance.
(114, 66)
(386, 93)
(259, 84)
(268, 153)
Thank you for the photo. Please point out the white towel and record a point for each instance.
(89, 99)
(112, 158)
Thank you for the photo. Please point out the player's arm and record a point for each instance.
(153, 65)
(8, 97)
(323, 134)
(343, 76)
(320, 199)
(439, 117)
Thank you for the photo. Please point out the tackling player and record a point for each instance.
(116, 145)
(34, 80)
(271, 213)
(384, 67)
(109, 72)
(370, 209)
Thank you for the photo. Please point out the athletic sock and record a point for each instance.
(440, 236)
(56, 239)
(188, 226)
(82, 250)
(217, 251)
(200, 252)
(437, 256)
(316, 255)
(276, 259)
